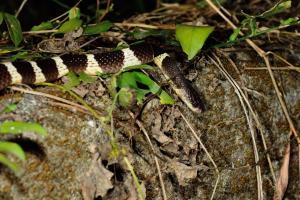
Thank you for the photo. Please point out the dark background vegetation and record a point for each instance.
(37, 11)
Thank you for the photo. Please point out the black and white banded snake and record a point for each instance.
(50, 69)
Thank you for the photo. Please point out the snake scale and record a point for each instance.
(50, 69)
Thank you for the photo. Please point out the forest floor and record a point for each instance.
(237, 148)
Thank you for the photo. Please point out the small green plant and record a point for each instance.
(250, 22)
(11, 148)
(13, 27)
(132, 79)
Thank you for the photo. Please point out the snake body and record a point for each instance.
(50, 69)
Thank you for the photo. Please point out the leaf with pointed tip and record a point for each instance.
(42, 26)
(97, 28)
(74, 13)
(14, 28)
(131, 80)
(70, 25)
(192, 38)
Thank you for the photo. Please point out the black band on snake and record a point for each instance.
(50, 69)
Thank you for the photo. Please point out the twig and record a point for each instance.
(162, 185)
(40, 32)
(141, 25)
(89, 42)
(20, 8)
(70, 107)
(65, 13)
(297, 69)
(263, 54)
(242, 98)
(254, 114)
(206, 151)
(281, 100)
(106, 11)
(80, 107)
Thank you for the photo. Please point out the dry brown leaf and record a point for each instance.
(156, 130)
(283, 178)
(97, 181)
(183, 172)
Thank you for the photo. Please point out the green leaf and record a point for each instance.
(154, 88)
(87, 78)
(9, 49)
(13, 148)
(235, 34)
(277, 8)
(70, 25)
(9, 108)
(98, 28)
(1, 17)
(192, 38)
(127, 79)
(146, 80)
(43, 26)
(14, 28)
(166, 99)
(11, 165)
(18, 127)
(131, 80)
(253, 26)
(19, 55)
(73, 81)
(112, 86)
(289, 21)
(74, 13)
(126, 97)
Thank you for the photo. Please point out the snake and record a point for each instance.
(53, 68)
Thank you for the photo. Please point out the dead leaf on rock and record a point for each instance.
(183, 172)
(156, 130)
(171, 148)
(171, 120)
(81, 90)
(283, 178)
(96, 181)
(61, 45)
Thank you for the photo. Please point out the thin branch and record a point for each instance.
(263, 54)
(20, 8)
(105, 12)
(162, 185)
(80, 107)
(65, 13)
(206, 151)
(242, 99)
